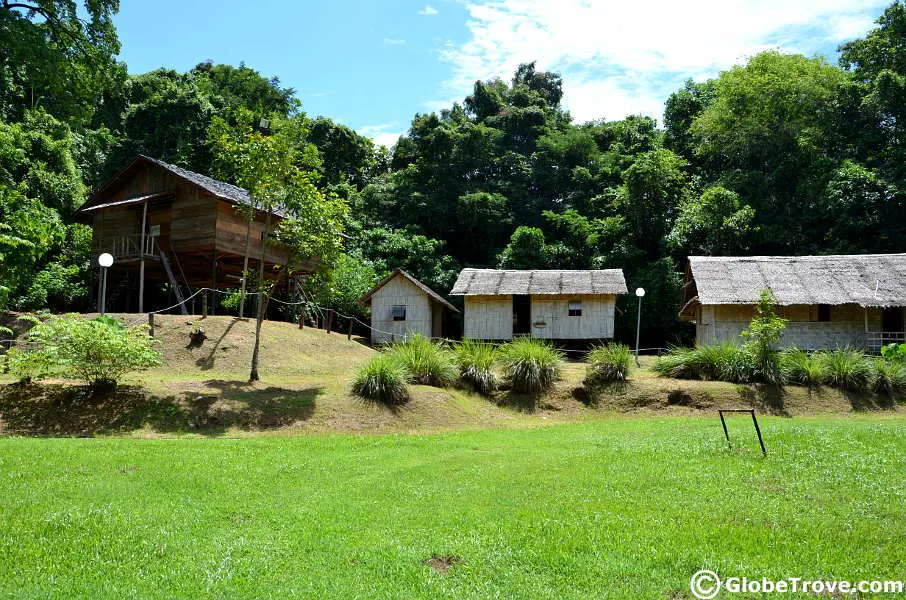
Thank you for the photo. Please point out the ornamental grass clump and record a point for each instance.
(427, 362)
(382, 379)
(719, 362)
(846, 368)
(476, 360)
(801, 368)
(530, 365)
(888, 376)
(607, 363)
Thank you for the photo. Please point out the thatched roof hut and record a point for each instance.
(551, 304)
(806, 286)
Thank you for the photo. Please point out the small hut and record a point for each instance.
(828, 301)
(556, 305)
(401, 304)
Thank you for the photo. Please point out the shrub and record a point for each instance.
(530, 365)
(476, 364)
(97, 351)
(887, 377)
(894, 352)
(611, 362)
(677, 363)
(845, 368)
(28, 366)
(722, 362)
(762, 336)
(383, 379)
(802, 368)
(427, 362)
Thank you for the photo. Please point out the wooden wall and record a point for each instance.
(488, 317)
(419, 311)
(232, 227)
(596, 321)
(491, 317)
(718, 323)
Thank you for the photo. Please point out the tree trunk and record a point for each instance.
(245, 264)
(262, 302)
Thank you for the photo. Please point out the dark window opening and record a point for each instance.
(824, 313)
(398, 312)
(574, 308)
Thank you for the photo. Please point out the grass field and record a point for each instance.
(601, 509)
(198, 484)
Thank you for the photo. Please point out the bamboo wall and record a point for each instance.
(491, 317)
(419, 311)
(846, 327)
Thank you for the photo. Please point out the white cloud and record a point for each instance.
(620, 58)
(428, 11)
(393, 41)
(382, 135)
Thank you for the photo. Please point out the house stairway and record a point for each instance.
(174, 285)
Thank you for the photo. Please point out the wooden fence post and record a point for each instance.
(329, 320)
(204, 304)
(151, 324)
(349, 333)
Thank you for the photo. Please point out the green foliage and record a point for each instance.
(98, 351)
(530, 365)
(762, 337)
(715, 223)
(721, 362)
(609, 362)
(801, 368)
(846, 368)
(476, 360)
(382, 379)
(894, 352)
(887, 377)
(29, 365)
(526, 250)
(425, 361)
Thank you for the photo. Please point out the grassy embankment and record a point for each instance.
(306, 388)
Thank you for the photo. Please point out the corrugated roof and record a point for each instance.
(493, 282)
(876, 280)
(431, 293)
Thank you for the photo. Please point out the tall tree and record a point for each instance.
(270, 167)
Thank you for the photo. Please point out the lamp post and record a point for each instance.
(105, 260)
(640, 292)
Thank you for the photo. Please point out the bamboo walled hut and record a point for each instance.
(167, 225)
(829, 301)
(401, 304)
(555, 305)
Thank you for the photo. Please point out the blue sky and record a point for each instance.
(373, 65)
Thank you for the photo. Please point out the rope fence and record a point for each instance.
(320, 311)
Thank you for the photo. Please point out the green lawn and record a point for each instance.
(613, 508)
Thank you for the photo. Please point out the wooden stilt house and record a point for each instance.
(171, 230)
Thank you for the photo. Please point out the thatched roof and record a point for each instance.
(492, 282)
(366, 299)
(876, 280)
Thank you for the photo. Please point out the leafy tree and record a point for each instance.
(716, 223)
(654, 187)
(862, 211)
(245, 88)
(526, 250)
(57, 55)
(271, 168)
(765, 135)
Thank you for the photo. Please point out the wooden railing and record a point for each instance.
(130, 247)
(874, 340)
